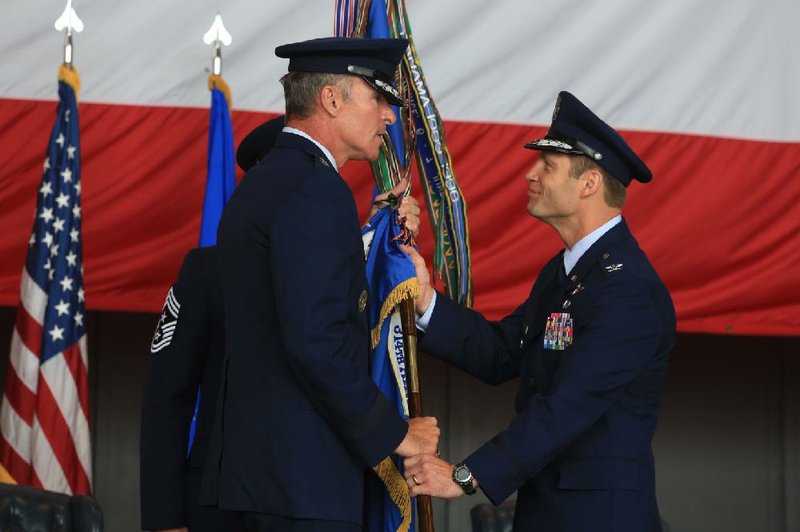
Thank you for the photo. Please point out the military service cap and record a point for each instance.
(576, 130)
(258, 143)
(374, 60)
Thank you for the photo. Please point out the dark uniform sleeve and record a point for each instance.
(622, 332)
(174, 371)
(464, 338)
(324, 330)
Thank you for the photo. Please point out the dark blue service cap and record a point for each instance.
(375, 60)
(258, 143)
(578, 131)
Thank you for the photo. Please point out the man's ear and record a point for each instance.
(330, 99)
(592, 182)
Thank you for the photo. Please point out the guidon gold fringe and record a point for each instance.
(408, 289)
(398, 490)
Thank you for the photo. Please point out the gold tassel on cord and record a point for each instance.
(69, 75)
(215, 81)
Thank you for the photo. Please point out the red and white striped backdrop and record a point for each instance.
(706, 92)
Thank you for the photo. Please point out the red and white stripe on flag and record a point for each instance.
(44, 414)
(44, 417)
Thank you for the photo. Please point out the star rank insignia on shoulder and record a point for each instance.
(166, 323)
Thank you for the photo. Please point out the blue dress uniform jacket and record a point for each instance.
(188, 350)
(301, 420)
(579, 448)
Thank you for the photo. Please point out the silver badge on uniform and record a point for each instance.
(166, 323)
(362, 301)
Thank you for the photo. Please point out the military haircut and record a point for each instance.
(614, 192)
(301, 90)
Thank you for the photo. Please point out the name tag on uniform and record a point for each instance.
(558, 332)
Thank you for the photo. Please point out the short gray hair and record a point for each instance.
(301, 90)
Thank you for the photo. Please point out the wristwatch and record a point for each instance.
(463, 477)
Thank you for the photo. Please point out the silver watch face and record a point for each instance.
(462, 474)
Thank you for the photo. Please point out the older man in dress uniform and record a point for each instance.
(301, 422)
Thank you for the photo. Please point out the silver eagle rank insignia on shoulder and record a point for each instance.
(166, 323)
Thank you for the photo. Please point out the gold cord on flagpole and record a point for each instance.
(69, 75)
(215, 81)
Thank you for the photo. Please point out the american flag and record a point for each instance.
(44, 418)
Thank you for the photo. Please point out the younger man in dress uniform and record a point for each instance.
(301, 421)
(590, 346)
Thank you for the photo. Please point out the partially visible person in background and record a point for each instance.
(186, 355)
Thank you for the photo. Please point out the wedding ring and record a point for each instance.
(414, 478)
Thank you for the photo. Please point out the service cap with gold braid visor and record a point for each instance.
(576, 130)
(374, 60)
